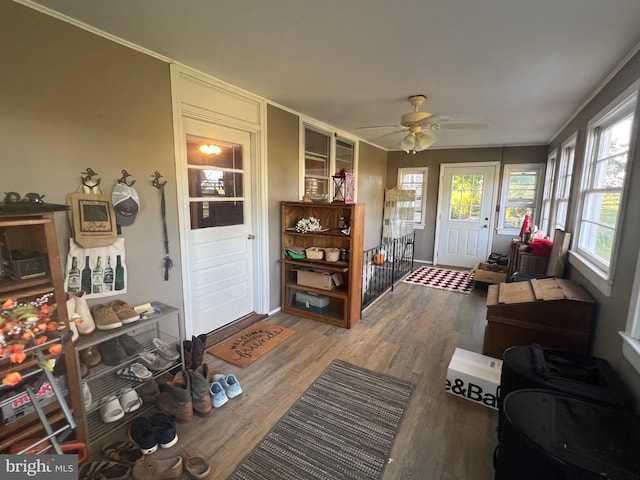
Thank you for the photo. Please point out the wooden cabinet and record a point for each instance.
(31, 238)
(344, 300)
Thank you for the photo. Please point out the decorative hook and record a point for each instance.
(156, 180)
(123, 179)
(88, 183)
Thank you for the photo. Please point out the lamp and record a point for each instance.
(344, 187)
(417, 140)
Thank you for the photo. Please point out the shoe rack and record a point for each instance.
(39, 273)
(103, 380)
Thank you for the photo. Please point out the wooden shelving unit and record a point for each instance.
(344, 300)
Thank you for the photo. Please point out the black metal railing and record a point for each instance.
(384, 266)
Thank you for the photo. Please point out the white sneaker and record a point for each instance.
(86, 395)
(73, 316)
(84, 323)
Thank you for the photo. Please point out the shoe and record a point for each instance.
(165, 350)
(202, 405)
(124, 311)
(111, 410)
(123, 452)
(194, 351)
(167, 469)
(149, 391)
(86, 395)
(230, 384)
(84, 321)
(131, 345)
(195, 463)
(165, 428)
(105, 470)
(175, 398)
(72, 316)
(129, 399)
(90, 357)
(113, 353)
(105, 317)
(217, 394)
(153, 361)
(84, 370)
(142, 433)
(135, 372)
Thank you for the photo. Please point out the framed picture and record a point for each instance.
(93, 219)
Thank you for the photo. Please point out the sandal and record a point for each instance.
(135, 372)
(165, 350)
(123, 452)
(111, 410)
(130, 400)
(105, 470)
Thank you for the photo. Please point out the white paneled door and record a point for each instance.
(466, 206)
(220, 259)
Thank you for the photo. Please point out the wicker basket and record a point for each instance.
(331, 254)
(314, 253)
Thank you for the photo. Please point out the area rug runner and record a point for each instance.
(248, 345)
(342, 427)
(442, 279)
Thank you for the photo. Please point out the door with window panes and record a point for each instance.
(220, 253)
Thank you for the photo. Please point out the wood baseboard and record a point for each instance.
(234, 327)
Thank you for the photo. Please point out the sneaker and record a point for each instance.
(131, 345)
(142, 433)
(165, 350)
(105, 317)
(230, 384)
(86, 395)
(84, 320)
(217, 394)
(165, 428)
(124, 311)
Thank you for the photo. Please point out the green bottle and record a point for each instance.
(85, 283)
(118, 283)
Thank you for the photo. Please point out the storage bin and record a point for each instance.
(312, 302)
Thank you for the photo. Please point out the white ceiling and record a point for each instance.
(522, 66)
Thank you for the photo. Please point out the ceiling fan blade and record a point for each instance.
(463, 126)
(377, 126)
(392, 133)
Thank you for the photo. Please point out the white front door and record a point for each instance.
(466, 206)
(219, 287)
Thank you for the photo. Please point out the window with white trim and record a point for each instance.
(415, 179)
(602, 187)
(521, 191)
(547, 195)
(563, 186)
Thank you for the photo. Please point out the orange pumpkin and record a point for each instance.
(378, 259)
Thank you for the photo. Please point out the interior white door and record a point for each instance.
(467, 199)
(220, 259)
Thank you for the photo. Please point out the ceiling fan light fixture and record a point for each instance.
(408, 143)
(424, 140)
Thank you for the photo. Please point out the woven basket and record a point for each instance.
(331, 254)
(314, 253)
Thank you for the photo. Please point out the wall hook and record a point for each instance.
(156, 180)
(88, 183)
(123, 179)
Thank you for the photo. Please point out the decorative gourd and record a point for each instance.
(378, 259)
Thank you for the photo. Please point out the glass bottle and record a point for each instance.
(85, 283)
(74, 276)
(118, 283)
(107, 279)
(97, 277)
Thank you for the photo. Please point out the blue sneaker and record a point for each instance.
(217, 394)
(230, 384)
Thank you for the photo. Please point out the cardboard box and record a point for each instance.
(322, 279)
(489, 273)
(20, 406)
(312, 302)
(474, 377)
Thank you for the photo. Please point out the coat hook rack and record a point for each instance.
(88, 183)
(123, 179)
(156, 180)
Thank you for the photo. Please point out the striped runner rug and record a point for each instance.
(342, 427)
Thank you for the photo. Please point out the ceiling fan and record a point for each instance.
(421, 126)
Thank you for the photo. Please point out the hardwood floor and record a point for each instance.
(410, 333)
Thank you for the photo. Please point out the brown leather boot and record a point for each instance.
(198, 345)
(202, 405)
(175, 399)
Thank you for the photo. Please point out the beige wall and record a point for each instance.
(433, 159)
(371, 179)
(71, 100)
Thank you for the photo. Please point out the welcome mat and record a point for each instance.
(342, 427)
(248, 345)
(449, 280)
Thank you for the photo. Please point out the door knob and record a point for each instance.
(251, 236)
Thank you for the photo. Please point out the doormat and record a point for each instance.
(449, 280)
(343, 427)
(248, 345)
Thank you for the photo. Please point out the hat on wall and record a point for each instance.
(126, 203)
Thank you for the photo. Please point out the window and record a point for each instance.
(602, 189)
(563, 186)
(547, 196)
(520, 196)
(415, 179)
